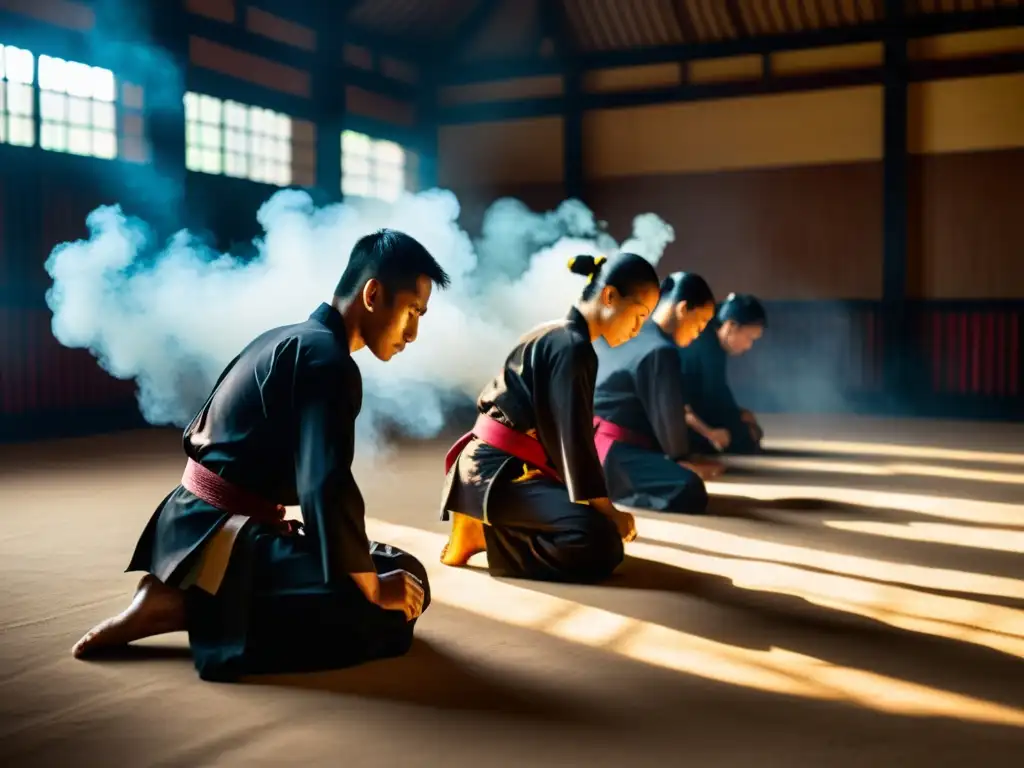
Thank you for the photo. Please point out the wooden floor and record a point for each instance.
(857, 599)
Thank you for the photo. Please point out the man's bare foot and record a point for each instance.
(155, 610)
(467, 539)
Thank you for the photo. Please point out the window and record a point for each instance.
(17, 97)
(77, 108)
(371, 168)
(232, 139)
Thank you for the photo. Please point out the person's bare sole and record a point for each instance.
(156, 609)
(467, 539)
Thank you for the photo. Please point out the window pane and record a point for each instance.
(209, 109)
(22, 131)
(283, 174)
(191, 106)
(53, 106)
(103, 116)
(235, 114)
(355, 143)
(389, 175)
(78, 79)
(358, 186)
(356, 165)
(284, 127)
(389, 152)
(257, 120)
(104, 144)
(257, 167)
(193, 135)
(52, 74)
(20, 99)
(211, 162)
(235, 141)
(235, 164)
(210, 136)
(103, 87)
(53, 136)
(284, 151)
(79, 111)
(80, 141)
(194, 158)
(19, 66)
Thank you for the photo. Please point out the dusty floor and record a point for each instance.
(806, 625)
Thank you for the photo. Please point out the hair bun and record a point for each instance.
(585, 265)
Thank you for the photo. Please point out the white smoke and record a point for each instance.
(173, 318)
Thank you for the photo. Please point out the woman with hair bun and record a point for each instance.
(525, 485)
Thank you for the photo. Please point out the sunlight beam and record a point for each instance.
(924, 453)
(775, 670)
(962, 510)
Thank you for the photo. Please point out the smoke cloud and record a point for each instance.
(171, 315)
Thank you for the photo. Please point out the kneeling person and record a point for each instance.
(526, 485)
(720, 424)
(641, 407)
(277, 430)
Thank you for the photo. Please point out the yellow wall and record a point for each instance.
(967, 115)
(740, 133)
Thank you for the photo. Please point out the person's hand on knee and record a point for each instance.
(624, 522)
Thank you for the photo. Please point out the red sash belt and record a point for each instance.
(228, 497)
(606, 434)
(524, 447)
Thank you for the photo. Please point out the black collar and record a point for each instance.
(330, 317)
(652, 328)
(576, 320)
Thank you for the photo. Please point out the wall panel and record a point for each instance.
(513, 152)
(967, 182)
(795, 233)
(820, 127)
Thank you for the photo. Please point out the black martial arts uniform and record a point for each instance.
(535, 526)
(706, 384)
(280, 425)
(639, 391)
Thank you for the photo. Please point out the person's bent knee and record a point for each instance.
(691, 498)
(602, 553)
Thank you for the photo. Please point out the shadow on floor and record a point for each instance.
(431, 675)
(760, 510)
(768, 620)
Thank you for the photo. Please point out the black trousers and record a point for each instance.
(646, 479)
(536, 532)
(273, 613)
